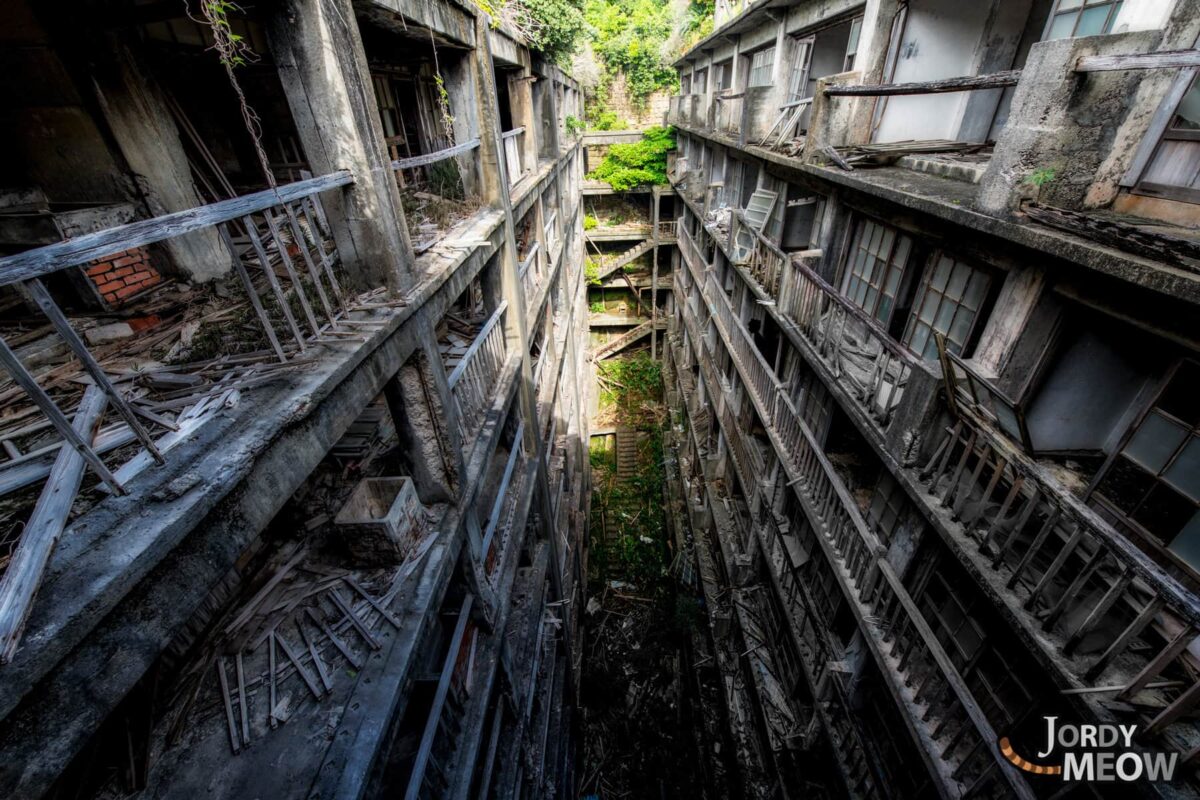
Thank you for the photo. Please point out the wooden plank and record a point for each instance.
(42, 400)
(43, 300)
(21, 579)
(996, 80)
(264, 262)
(1166, 59)
(248, 285)
(242, 708)
(342, 647)
(439, 701)
(433, 158)
(322, 672)
(51, 258)
(223, 676)
(1159, 662)
(300, 670)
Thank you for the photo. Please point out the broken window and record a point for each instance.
(1082, 18)
(1174, 169)
(878, 256)
(852, 44)
(762, 64)
(1154, 480)
(700, 82)
(948, 303)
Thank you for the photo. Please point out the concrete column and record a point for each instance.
(520, 93)
(422, 409)
(323, 69)
(144, 130)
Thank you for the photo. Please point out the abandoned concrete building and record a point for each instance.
(253, 596)
(304, 309)
(934, 371)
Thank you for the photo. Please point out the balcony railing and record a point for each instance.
(666, 230)
(282, 226)
(728, 116)
(472, 382)
(950, 725)
(532, 272)
(1075, 576)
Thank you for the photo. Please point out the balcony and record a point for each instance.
(473, 380)
(947, 723)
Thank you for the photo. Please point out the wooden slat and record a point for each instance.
(439, 701)
(433, 158)
(43, 300)
(1167, 59)
(996, 80)
(51, 258)
(20, 581)
(9, 360)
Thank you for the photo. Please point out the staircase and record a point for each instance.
(626, 453)
(618, 344)
(609, 267)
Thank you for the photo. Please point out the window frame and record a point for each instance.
(757, 68)
(1096, 495)
(848, 268)
(1114, 11)
(1160, 131)
(852, 43)
(926, 285)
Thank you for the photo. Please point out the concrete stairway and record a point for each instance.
(609, 267)
(614, 346)
(626, 453)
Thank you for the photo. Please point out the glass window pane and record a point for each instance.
(1156, 439)
(1125, 484)
(1164, 512)
(1063, 5)
(900, 259)
(960, 329)
(893, 281)
(1062, 26)
(958, 282)
(929, 307)
(1187, 544)
(944, 315)
(1092, 21)
(942, 273)
(1184, 474)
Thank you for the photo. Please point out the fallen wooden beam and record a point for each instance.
(20, 581)
(1167, 59)
(967, 83)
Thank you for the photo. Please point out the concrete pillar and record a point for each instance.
(144, 130)
(323, 69)
(422, 409)
(520, 93)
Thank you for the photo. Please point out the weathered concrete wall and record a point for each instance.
(1061, 122)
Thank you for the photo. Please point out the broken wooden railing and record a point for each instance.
(951, 727)
(728, 116)
(550, 230)
(414, 169)
(763, 259)
(666, 230)
(514, 146)
(429, 777)
(293, 222)
(873, 368)
(1115, 619)
(472, 381)
(531, 272)
(966, 83)
(491, 541)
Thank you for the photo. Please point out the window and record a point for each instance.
(949, 302)
(685, 84)
(852, 44)
(877, 259)
(762, 64)
(1082, 18)
(723, 75)
(700, 82)
(1154, 481)
(1174, 169)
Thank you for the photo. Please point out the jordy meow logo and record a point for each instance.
(1102, 753)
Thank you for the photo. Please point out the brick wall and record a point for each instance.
(122, 275)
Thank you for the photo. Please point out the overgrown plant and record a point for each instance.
(234, 51)
(640, 163)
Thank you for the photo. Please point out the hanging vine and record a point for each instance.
(234, 51)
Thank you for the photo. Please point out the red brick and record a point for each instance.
(125, 260)
(120, 273)
(110, 286)
(111, 297)
(138, 277)
(99, 269)
(126, 291)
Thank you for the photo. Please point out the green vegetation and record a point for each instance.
(600, 120)
(629, 38)
(638, 163)
(591, 272)
(629, 525)
(1040, 177)
(574, 125)
(596, 307)
(589, 221)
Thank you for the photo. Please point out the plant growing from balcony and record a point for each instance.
(641, 163)
(233, 51)
(1039, 178)
(589, 222)
(574, 125)
(591, 272)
